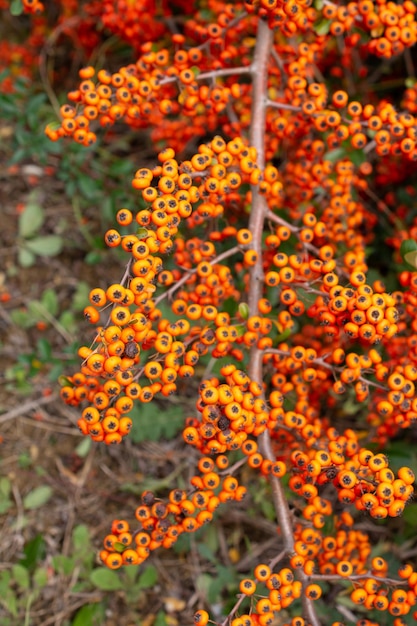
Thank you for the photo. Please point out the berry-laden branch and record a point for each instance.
(264, 241)
(259, 211)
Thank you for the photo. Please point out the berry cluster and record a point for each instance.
(161, 522)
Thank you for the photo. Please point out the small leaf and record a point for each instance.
(93, 257)
(323, 27)
(106, 579)
(37, 497)
(410, 513)
(88, 186)
(31, 220)
(408, 252)
(5, 505)
(89, 615)
(63, 381)
(46, 245)
(63, 564)
(243, 310)
(206, 552)
(142, 232)
(148, 578)
(34, 551)
(44, 350)
(49, 300)
(119, 546)
(160, 619)
(81, 537)
(16, 7)
(80, 297)
(21, 576)
(67, 321)
(9, 601)
(21, 318)
(131, 573)
(5, 487)
(40, 577)
(83, 447)
(335, 155)
(25, 258)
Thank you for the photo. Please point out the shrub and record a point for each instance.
(274, 242)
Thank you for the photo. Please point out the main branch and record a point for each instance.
(259, 211)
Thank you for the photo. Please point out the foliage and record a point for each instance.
(269, 271)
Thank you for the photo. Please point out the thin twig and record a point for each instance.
(26, 407)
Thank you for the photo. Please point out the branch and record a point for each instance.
(258, 215)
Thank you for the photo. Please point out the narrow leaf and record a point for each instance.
(148, 578)
(16, 7)
(105, 579)
(408, 252)
(37, 497)
(31, 220)
(21, 576)
(46, 245)
(26, 257)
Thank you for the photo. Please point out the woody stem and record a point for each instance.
(259, 212)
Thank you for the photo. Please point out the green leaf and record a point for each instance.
(131, 573)
(142, 232)
(206, 552)
(24, 460)
(40, 577)
(63, 381)
(34, 551)
(83, 447)
(335, 155)
(9, 602)
(32, 111)
(44, 350)
(16, 7)
(35, 310)
(106, 579)
(67, 321)
(203, 583)
(89, 615)
(31, 219)
(80, 297)
(21, 576)
(25, 257)
(322, 27)
(37, 497)
(18, 155)
(5, 505)
(408, 252)
(243, 310)
(63, 564)
(21, 318)
(148, 578)
(121, 167)
(81, 537)
(45, 245)
(93, 257)
(88, 187)
(49, 300)
(151, 425)
(5, 579)
(5, 487)
(358, 157)
(160, 619)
